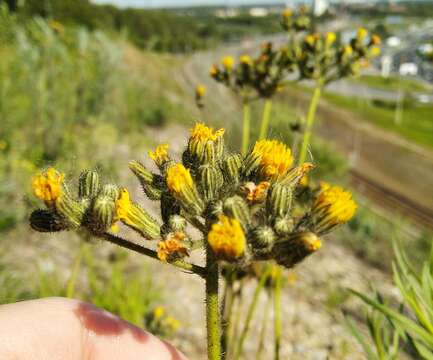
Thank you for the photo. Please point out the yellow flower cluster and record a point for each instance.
(47, 186)
(178, 178)
(336, 203)
(123, 205)
(226, 238)
(275, 158)
(228, 62)
(160, 155)
(201, 132)
(173, 245)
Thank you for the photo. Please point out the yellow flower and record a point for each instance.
(160, 155)
(375, 51)
(158, 312)
(375, 40)
(245, 59)
(330, 38)
(310, 40)
(362, 33)
(255, 192)
(203, 133)
(213, 71)
(123, 205)
(275, 158)
(178, 178)
(347, 50)
(173, 323)
(172, 246)
(200, 90)
(287, 13)
(47, 186)
(334, 205)
(227, 238)
(228, 62)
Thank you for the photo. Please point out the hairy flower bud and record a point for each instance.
(102, 213)
(110, 190)
(231, 166)
(140, 171)
(235, 207)
(283, 225)
(71, 210)
(295, 248)
(177, 223)
(211, 180)
(46, 221)
(279, 200)
(262, 240)
(88, 184)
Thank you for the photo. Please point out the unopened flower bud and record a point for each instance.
(211, 180)
(177, 223)
(262, 240)
(295, 248)
(46, 221)
(88, 184)
(102, 214)
(231, 166)
(139, 170)
(110, 190)
(71, 210)
(235, 207)
(283, 225)
(279, 200)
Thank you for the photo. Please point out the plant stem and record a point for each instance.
(266, 117)
(227, 314)
(246, 126)
(277, 312)
(212, 309)
(233, 327)
(151, 253)
(309, 124)
(250, 313)
(263, 329)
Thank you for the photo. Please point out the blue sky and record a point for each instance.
(169, 3)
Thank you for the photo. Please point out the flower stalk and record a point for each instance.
(266, 119)
(246, 125)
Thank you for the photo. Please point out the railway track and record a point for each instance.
(392, 200)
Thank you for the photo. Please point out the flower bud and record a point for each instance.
(177, 223)
(295, 248)
(227, 239)
(46, 221)
(262, 240)
(231, 166)
(110, 190)
(135, 217)
(211, 180)
(144, 176)
(182, 187)
(283, 225)
(88, 184)
(235, 207)
(279, 200)
(103, 213)
(71, 210)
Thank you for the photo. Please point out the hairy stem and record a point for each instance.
(250, 312)
(309, 123)
(266, 118)
(246, 126)
(263, 329)
(277, 313)
(151, 253)
(212, 309)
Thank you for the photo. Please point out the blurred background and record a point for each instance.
(93, 84)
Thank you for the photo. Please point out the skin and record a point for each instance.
(66, 329)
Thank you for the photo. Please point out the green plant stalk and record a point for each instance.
(309, 124)
(250, 313)
(212, 308)
(227, 314)
(263, 329)
(266, 118)
(277, 313)
(233, 326)
(153, 254)
(246, 124)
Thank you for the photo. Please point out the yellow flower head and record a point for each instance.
(347, 50)
(336, 204)
(172, 246)
(178, 178)
(172, 323)
(200, 90)
(160, 155)
(275, 158)
(255, 192)
(245, 59)
(375, 51)
(287, 13)
(375, 40)
(213, 71)
(158, 312)
(47, 185)
(123, 204)
(310, 40)
(362, 33)
(228, 62)
(227, 238)
(330, 38)
(203, 133)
